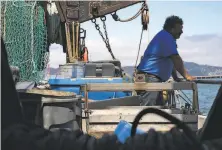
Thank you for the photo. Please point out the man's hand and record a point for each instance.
(190, 78)
(179, 66)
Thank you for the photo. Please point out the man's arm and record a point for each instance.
(170, 47)
(179, 66)
(174, 75)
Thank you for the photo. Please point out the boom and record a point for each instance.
(82, 11)
(73, 13)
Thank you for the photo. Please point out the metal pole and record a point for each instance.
(208, 81)
(195, 98)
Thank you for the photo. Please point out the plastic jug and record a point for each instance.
(123, 131)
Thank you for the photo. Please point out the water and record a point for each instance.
(206, 95)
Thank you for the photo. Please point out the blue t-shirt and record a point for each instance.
(156, 58)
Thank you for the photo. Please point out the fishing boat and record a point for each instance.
(99, 93)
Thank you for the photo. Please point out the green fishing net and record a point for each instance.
(23, 28)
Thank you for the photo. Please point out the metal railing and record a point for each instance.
(112, 87)
(143, 86)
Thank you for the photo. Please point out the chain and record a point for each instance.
(82, 31)
(106, 40)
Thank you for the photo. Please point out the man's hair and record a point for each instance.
(171, 21)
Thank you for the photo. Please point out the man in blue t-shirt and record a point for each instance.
(161, 58)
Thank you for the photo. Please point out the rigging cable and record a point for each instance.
(186, 96)
(116, 17)
(141, 36)
(145, 22)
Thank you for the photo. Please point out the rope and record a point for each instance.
(138, 50)
(4, 20)
(116, 18)
(186, 96)
(144, 21)
(32, 35)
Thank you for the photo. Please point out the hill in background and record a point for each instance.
(193, 68)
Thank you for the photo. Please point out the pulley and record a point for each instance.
(144, 12)
(145, 17)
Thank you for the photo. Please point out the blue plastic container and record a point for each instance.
(123, 131)
(78, 71)
(75, 70)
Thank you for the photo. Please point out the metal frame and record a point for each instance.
(43, 101)
(140, 86)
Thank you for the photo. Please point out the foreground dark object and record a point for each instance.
(11, 109)
(28, 137)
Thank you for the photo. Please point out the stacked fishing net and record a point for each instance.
(23, 29)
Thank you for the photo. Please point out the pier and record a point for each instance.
(209, 77)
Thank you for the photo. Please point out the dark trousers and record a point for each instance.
(151, 98)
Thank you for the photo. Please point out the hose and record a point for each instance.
(182, 138)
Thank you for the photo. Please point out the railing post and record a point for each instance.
(86, 107)
(195, 97)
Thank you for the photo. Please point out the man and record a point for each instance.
(161, 58)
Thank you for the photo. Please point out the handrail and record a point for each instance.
(143, 86)
(140, 86)
(208, 81)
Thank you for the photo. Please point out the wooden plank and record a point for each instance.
(130, 110)
(93, 129)
(58, 100)
(140, 86)
(52, 100)
(150, 118)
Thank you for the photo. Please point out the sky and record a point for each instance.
(201, 41)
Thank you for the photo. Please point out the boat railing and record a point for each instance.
(127, 87)
(111, 87)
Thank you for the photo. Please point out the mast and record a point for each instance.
(72, 30)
